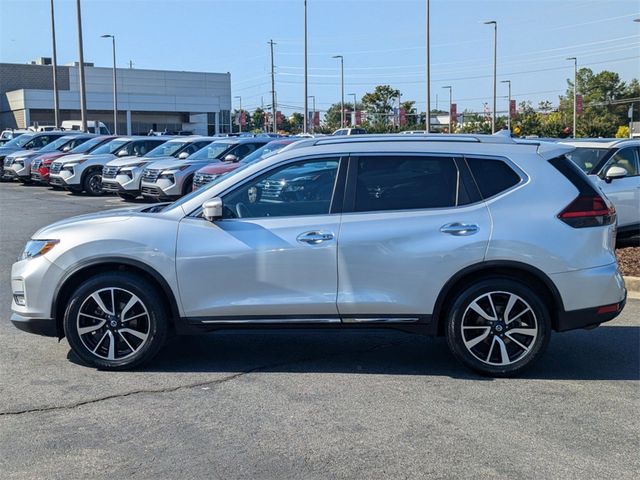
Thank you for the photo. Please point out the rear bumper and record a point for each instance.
(589, 317)
(39, 326)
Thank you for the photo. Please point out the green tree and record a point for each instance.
(332, 116)
(257, 119)
(379, 104)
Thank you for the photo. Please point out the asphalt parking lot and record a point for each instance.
(303, 405)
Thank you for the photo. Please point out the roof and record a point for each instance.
(603, 143)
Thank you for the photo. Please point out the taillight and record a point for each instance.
(588, 211)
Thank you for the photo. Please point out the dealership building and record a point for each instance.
(159, 100)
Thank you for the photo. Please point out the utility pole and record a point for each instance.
(450, 102)
(240, 114)
(428, 116)
(306, 85)
(115, 87)
(83, 95)
(575, 93)
(355, 109)
(495, 89)
(273, 90)
(509, 108)
(342, 89)
(56, 98)
(313, 119)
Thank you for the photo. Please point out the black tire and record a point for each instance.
(92, 183)
(520, 334)
(147, 317)
(129, 197)
(187, 186)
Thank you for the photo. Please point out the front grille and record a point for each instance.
(151, 191)
(109, 172)
(56, 181)
(56, 167)
(271, 189)
(35, 166)
(110, 186)
(150, 175)
(200, 179)
(8, 161)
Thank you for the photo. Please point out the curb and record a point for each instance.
(633, 286)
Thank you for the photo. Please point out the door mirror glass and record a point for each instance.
(183, 155)
(230, 158)
(212, 209)
(123, 153)
(66, 149)
(614, 172)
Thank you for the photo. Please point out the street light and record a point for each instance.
(355, 110)
(56, 97)
(313, 126)
(508, 109)
(240, 110)
(450, 101)
(575, 93)
(428, 72)
(342, 89)
(495, 51)
(306, 84)
(83, 94)
(115, 88)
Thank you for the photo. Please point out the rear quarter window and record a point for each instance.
(492, 176)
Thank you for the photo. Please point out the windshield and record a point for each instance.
(19, 141)
(264, 152)
(166, 149)
(55, 145)
(197, 192)
(211, 151)
(587, 158)
(89, 145)
(110, 147)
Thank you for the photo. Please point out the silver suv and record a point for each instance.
(491, 243)
(123, 175)
(173, 178)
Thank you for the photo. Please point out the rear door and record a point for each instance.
(410, 223)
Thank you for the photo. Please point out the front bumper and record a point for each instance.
(17, 171)
(39, 326)
(122, 183)
(66, 178)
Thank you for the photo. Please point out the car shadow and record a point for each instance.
(607, 353)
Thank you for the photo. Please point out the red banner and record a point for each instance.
(316, 119)
(403, 117)
(454, 113)
(512, 108)
(579, 104)
(358, 117)
(279, 118)
(243, 118)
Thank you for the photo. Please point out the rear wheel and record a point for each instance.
(92, 183)
(498, 327)
(115, 321)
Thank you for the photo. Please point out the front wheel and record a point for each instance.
(498, 327)
(115, 321)
(92, 183)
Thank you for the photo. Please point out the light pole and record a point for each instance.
(342, 89)
(115, 87)
(83, 95)
(273, 91)
(428, 116)
(450, 100)
(575, 93)
(355, 109)
(56, 98)
(495, 51)
(306, 85)
(508, 82)
(313, 126)
(240, 114)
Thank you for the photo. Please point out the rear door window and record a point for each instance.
(406, 183)
(492, 176)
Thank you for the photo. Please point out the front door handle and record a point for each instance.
(314, 238)
(460, 229)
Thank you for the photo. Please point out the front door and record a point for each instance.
(272, 257)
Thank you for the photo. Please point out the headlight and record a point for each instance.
(36, 248)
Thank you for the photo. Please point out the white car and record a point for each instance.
(615, 167)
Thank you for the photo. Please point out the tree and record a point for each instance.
(379, 103)
(257, 119)
(332, 117)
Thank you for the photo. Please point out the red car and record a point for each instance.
(41, 164)
(214, 170)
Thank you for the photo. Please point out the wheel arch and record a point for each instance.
(530, 276)
(82, 271)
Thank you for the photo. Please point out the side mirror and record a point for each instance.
(183, 155)
(231, 158)
(66, 149)
(123, 153)
(614, 172)
(212, 209)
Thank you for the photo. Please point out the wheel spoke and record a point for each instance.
(103, 307)
(91, 316)
(519, 315)
(113, 302)
(112, 346)
(132, 301)
(510, 304)
(476, 340)
(100, 342)
(531, 332)
(524, 347)
(135, 333)
(478, 309)
(92, 328)
(134, 317)
(126, 341)
(493, 307)
(493, 342)
(504, 355)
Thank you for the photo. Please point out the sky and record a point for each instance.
(383, 42)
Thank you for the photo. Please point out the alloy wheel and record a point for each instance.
(499, 328)
(113, 323)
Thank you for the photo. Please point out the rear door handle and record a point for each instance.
(460, 229)
(314, 238)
